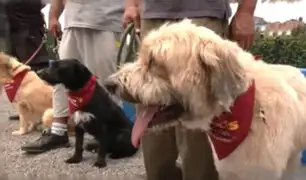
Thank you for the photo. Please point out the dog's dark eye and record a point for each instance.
(151, 59)
(124, 79)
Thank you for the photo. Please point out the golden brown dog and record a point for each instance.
(27, 92)
(253, 112)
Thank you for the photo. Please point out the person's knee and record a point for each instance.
(160, 155)
(196, 154)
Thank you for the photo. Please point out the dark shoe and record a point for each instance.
(14, 117)
(92, 146)
(46, 142)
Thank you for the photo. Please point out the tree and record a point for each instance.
(299, 31)
(282, 50)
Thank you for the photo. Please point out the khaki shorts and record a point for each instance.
(162, 150)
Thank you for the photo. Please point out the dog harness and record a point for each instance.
(230, 129)
(11, 87)
(80, 98)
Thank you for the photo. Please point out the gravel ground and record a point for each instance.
(17, 165)
(14, 164)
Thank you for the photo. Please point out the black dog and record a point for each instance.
(93, 111)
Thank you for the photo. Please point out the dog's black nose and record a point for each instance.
(111, 86)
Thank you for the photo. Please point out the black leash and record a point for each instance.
(131, 47)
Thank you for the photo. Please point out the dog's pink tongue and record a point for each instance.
(143, 118)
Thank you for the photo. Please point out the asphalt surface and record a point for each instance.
(14, 164)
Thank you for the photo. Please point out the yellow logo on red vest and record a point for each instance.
(75, 100)
(230, 129)
(233, 125)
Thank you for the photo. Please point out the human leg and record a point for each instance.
(23, 45)
(159, 149)
(194, 147)
(5, 47)
(160, 154)
(98, 50)
(25, 42)
(58, 137)
(196, 154)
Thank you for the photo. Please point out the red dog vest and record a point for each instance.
(11, 87)
(79, 99)
(230, 129)
(257, 57)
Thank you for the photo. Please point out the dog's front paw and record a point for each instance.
(100, 164)
(74, 160)
(19, 132)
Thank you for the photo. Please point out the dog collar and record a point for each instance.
(230, 129)
(80, 98)
(11, 86)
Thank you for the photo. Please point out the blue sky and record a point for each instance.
(271, 12)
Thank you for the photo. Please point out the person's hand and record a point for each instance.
(55, 27)
(242, 29)
(131, 15)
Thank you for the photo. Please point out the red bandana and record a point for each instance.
(11, 87)
(257, 57)
(229, 130)
(78, 99)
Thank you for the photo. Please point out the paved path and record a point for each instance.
(14, 164)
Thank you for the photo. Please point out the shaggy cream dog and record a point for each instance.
(190, 71)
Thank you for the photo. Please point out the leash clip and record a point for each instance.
(51, 63)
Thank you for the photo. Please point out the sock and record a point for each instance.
(59, 129)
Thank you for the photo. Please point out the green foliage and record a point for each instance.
(289, 50)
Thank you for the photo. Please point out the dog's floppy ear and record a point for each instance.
(226, 76)
(5, 59)
(8, 65)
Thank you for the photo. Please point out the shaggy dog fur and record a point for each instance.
(33, 99)
(101, 117)
(184, 65)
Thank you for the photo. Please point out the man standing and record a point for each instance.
(92, 29)
(27, 29)
(4, 28)
(161, 150)
(22, 31)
